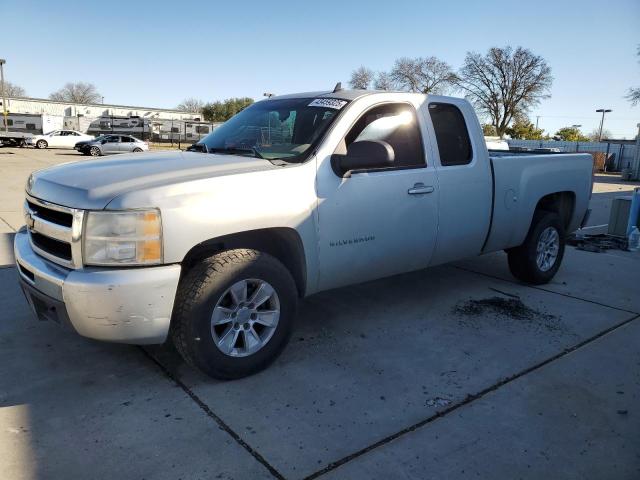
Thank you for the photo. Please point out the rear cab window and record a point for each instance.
(452, 135)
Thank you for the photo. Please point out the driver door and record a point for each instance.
(111, 144)
(55, 139)
(379, 222)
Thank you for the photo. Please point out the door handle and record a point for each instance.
(420, 189)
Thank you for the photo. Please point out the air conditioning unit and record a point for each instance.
(619, 216)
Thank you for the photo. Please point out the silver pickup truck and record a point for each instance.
(296, 194)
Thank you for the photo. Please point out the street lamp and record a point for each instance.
(603, 111)
(4, 98)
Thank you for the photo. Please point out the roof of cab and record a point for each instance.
(340, 94)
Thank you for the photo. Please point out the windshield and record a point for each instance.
(275, 129)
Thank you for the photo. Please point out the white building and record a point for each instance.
(25, 105)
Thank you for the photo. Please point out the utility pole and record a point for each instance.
(4, 98)
(603, 111)
(537, 118)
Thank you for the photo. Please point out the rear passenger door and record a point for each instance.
(464, 179)
(126, 144)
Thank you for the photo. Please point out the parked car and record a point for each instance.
(58, 139)
(292, 196)
(108, 144)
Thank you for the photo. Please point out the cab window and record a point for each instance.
(452, 135)
(396, 124)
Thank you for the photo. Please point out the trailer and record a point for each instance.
(14, 139)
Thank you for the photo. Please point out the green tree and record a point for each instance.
(222, 111)
(489, 130)
(523, 129)
(571, 134)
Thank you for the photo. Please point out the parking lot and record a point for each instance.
(458, 371)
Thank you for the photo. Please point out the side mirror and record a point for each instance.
(103, 142)
(364, 155)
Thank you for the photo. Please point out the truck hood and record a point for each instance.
(92, 184)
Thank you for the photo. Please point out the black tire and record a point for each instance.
(95, 152)
(137, 150)
(199, 292)
(522, 259)
(42, 144)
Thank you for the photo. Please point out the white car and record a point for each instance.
(59, 139)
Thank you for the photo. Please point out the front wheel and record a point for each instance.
(538, 259)
(234, 313)
(42, 144)
(137, 150)
(95, 152)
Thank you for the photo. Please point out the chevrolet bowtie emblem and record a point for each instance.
(29, 220)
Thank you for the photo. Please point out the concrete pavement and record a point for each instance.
(454, 372)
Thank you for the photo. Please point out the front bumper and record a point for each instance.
(128, 305)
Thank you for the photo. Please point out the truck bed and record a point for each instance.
(519, 182)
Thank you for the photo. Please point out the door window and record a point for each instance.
(452, 136)
(396, 124)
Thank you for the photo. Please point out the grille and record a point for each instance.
(52, 246)
(51, 230)
(54, 216)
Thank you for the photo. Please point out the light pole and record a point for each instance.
(4, 98)
(603, 111)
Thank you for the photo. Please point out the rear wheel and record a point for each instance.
(234, 313)
(538, 259)
(95, 152)
(42, 144)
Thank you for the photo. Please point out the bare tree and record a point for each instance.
(192, 105)
(13, 90)
(594, 136)
(383, 81)
(633, 95)
(423, 75)
(361, 78)
(504, 83)
(77, 92)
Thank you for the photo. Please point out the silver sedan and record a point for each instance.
(108, 144)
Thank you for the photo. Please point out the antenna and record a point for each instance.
(338, 87)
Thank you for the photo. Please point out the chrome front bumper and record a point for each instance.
(130, 305)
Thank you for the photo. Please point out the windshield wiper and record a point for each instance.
(237, 151)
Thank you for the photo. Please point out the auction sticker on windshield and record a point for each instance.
(328, 103)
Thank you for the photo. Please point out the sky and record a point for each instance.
(156, 53)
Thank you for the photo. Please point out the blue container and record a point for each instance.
(634, 211)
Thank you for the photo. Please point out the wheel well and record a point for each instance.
(562, 203)
(284, 244)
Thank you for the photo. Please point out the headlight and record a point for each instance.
(123, 238)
